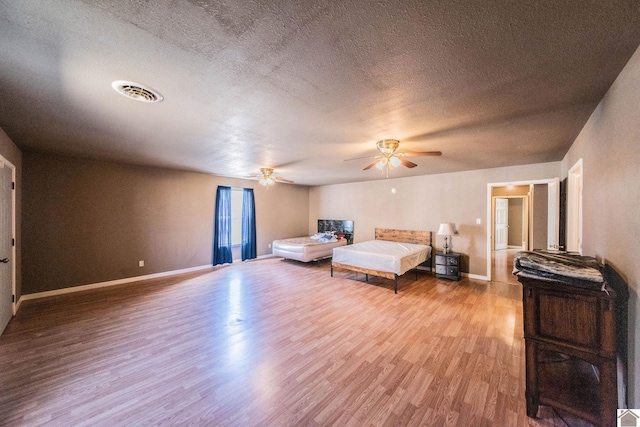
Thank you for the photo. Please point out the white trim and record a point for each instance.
(575, 186)
(81, 288)
(475, 276)
(6, 162)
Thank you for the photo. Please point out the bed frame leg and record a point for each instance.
(366, 277)
(416, 273)
(395, 288)
(331, 270)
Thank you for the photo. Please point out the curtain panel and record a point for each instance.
(222, 229)
(248, 225)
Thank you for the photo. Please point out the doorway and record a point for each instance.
(511, 220)
(539, 210)
(7, 242)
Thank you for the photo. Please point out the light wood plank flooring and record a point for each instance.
(266, 343)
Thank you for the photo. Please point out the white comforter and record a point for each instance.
(382, 255)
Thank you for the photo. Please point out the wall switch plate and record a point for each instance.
(140, 263)
(478, 221)
(269, 245)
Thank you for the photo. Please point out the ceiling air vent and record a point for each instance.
(136, 91)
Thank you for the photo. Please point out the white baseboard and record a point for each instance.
(106, 284)
(475, 276)
(81, 288)
(87, 287)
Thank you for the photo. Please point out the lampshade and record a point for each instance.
(445, 229)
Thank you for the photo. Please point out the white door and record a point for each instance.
(502, 224)
(6, 246)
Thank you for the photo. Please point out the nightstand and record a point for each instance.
(448, 265)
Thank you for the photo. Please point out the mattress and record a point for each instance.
(382, 255)
(304, 249)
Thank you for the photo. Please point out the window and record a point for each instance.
(234, 224)
(236, 216)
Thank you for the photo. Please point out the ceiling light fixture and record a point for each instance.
(136, 91)
(266, 179)
(388, 160)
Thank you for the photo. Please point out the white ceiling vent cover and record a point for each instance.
(137, 91)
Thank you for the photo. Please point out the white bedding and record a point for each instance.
(382, 255)
(304, 249)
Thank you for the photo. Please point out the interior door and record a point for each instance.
(6, 253)
(501, 225)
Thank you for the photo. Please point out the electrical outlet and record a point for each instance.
(478, 221)
(269, 245)
(140, 263)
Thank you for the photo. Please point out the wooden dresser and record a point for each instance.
(572, 338)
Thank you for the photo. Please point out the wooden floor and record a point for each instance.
(267, 343)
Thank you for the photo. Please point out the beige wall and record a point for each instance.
(422, 203)
(539, 216)
(12, 153)
(88, 222)
(609, 145)
(516, 212)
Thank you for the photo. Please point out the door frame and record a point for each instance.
(7, 163)
(489, 219)
(525, 219)
(575, 182)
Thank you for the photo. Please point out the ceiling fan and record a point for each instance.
(389, 159)
(267, 178)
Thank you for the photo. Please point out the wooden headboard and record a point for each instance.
(407, 236)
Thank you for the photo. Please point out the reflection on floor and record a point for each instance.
(502, 266)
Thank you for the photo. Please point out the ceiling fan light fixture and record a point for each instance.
(387, 146)
(394, 161)
(266, 179)
(381, 163)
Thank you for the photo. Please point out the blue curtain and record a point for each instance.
(222, 227)
(248, 225)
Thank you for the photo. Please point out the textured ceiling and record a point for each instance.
(300, 86)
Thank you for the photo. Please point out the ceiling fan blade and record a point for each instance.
(372, 164)
(281, 179)
(422, 153)
(360, 158)
(407, 163)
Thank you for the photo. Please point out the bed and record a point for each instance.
(315, 247)
(391, 254)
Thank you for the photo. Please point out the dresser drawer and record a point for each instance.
(446, 260)
(446, 269)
